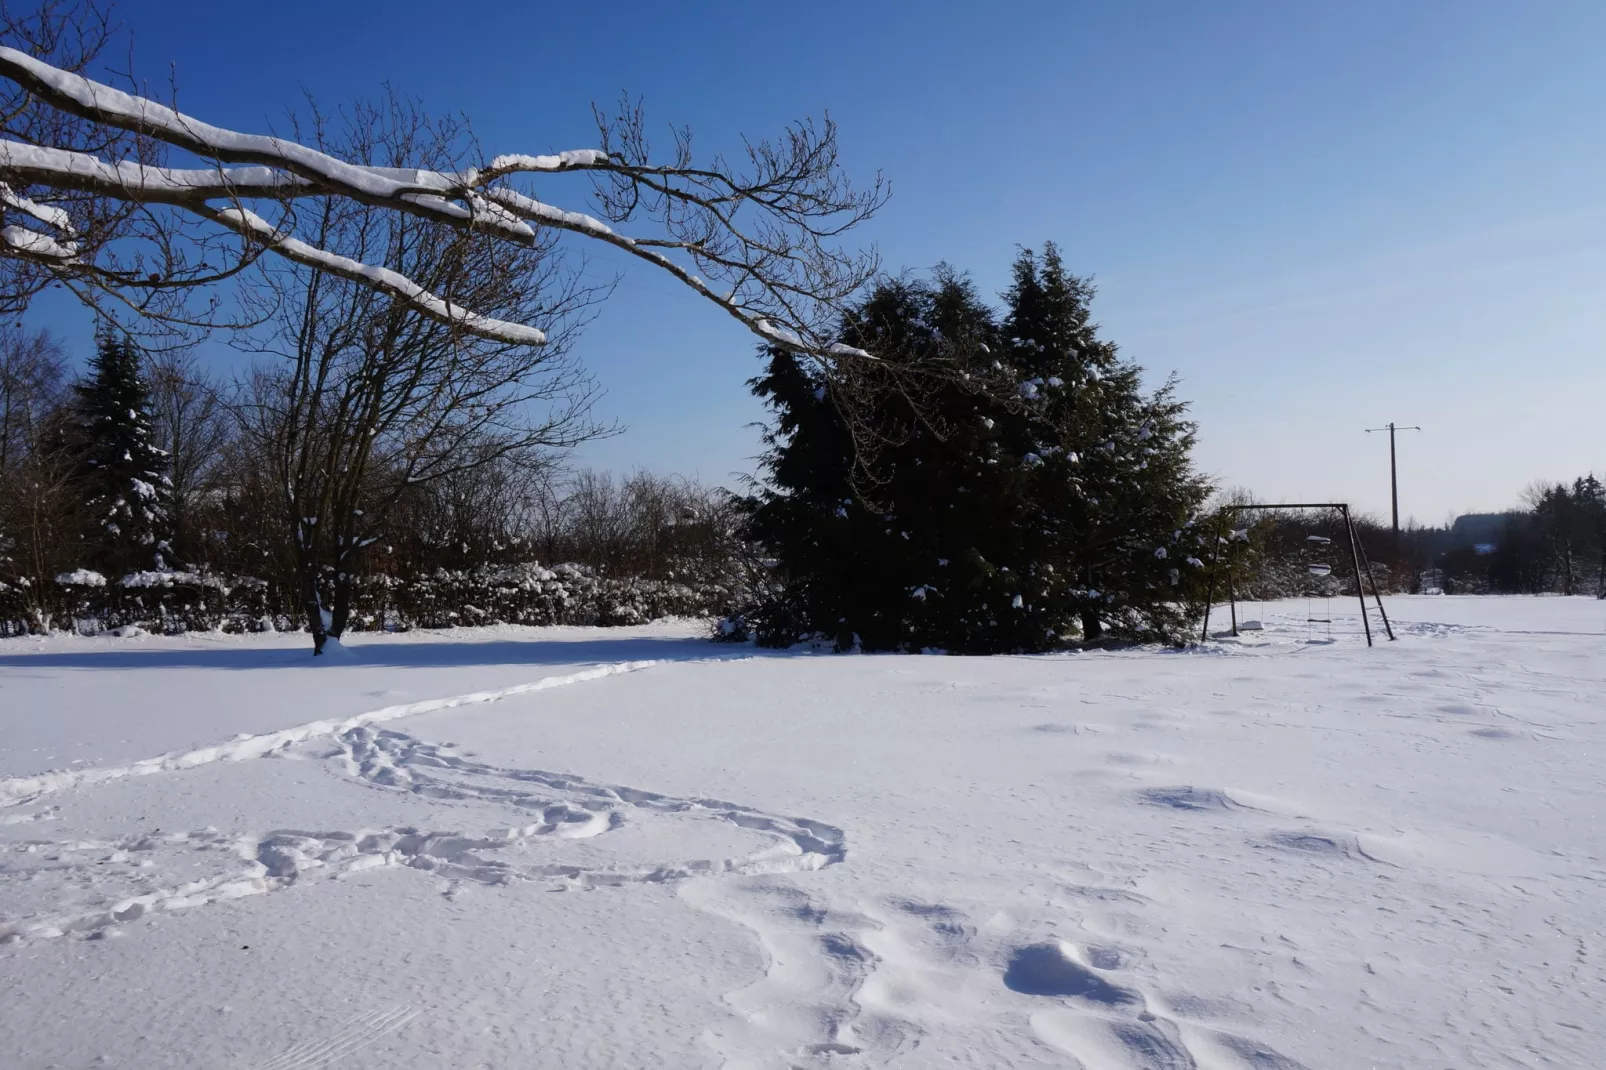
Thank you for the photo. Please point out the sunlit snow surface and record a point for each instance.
(585, 848)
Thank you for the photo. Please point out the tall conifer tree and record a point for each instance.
(1112, 493)
(982, 486)
(123, 472)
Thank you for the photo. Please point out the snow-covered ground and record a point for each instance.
(631, 848)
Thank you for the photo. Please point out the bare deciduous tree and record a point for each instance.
(367, 396)
(644, 525)
(191, 424)
(489, 514)
(32, 383)
(39, 509)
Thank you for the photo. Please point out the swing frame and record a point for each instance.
(1363, 567)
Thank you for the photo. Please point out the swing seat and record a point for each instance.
(1251, 626)
(1321, 570)
(1317, 620)
(1321, 540)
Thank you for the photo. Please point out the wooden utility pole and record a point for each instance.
(1394, 475)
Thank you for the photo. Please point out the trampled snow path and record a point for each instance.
(541, 805)
(16, 790)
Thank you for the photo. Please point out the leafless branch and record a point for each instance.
(85, 173)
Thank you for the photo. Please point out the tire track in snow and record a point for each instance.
(19, 790)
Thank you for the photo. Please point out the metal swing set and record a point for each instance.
(1316, 550)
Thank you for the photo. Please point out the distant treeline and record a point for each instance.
(1554, 544)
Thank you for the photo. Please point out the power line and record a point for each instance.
(1394, 476)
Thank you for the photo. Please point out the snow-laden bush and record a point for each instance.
(526, 593)
(531, 594)
(81, 577)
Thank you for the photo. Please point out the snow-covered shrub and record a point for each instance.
(531, 594)
(527, 594)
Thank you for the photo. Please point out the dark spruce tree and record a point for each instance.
(1111, 495)
(122, 472)
(980, 487)
(875, 499)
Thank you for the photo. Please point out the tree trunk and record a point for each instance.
(1092, 626)
(341, 615)
(312, 602)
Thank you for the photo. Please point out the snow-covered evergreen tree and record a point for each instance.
(122, 471)
(982, 486)
(1111, 493)
(872, 503)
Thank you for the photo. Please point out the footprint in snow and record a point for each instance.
(1318, 842)
(1188, 797)
(1050, 969)
(1109, 1025)
(1139, 758)
(1495, 733)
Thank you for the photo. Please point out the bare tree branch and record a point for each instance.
(756, 241)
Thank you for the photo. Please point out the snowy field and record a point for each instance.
(631, 848)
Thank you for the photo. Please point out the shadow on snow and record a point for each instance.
(367, 652)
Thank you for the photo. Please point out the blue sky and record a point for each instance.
(1322, 216)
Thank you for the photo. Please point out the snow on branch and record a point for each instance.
(47, 214)
(758, 242)
(31, 243)
(250, 224)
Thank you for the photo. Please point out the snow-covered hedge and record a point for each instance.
(171, 602)
(531, 594)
